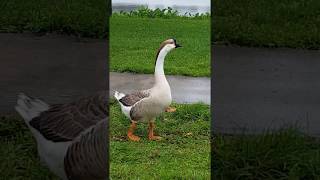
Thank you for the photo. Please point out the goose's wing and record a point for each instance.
(140, 108)
(131, 99)
(64, 122)
(86, 157)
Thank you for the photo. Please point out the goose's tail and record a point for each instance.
(29, 107)
(118, 95)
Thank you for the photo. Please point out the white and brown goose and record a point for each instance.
(71, 138)
(146, 105)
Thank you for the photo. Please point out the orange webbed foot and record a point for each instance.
(132, 127)
(151, 135)
(171, 109)
(134, 138)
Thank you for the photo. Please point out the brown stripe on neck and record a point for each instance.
(169, 41)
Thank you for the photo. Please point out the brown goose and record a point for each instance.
(71, 138)
(146, 105)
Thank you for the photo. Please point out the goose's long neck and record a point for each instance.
(159, 71)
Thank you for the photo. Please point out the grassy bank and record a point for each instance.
(183, 153)
(134, 42)
(81, 18)
(266, 23)
(269, 23)
(18, 152)
(283, 155)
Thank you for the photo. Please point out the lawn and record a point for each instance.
(134, 42)
(183, 153)
(262, 23)
(286, 154)
(18, 153)
(268, 23)
(81, 17)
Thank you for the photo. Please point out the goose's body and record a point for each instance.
(70, 137)
(146, 105)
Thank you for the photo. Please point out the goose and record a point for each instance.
(146, 105)
(71, 138)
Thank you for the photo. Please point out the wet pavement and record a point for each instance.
(55, 68)
(183, 89)
(254, 89)
(260, 89)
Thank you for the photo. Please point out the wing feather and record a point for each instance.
(86, 158)
(64, 122)
(131, 99)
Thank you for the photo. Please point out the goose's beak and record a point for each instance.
(177, 46)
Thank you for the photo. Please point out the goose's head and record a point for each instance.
(165, 47)
(169, 44)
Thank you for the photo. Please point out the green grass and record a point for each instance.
(134, 43)
(286, 154)
(81, 17)
(269, 23)
(183, 153)
(18, 153)
(262, 23)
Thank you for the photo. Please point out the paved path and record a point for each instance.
(257, 89)
(254, 89)
(184, 89)
(53, 67)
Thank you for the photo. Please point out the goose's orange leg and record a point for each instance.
(151, 133)
(171, 109)
(132, 127)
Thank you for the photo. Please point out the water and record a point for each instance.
(182, 6)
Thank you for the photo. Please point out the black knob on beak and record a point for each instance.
(175, 42)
